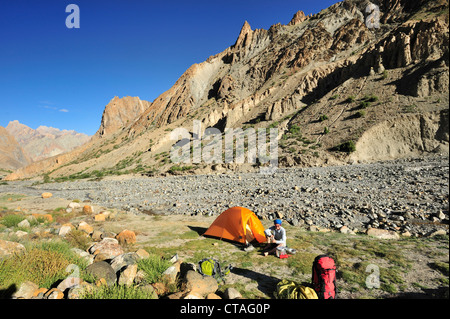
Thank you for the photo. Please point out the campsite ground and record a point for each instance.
(408, 267)
(413, 266)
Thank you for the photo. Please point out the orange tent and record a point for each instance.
(237, 224)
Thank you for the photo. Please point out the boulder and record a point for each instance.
(54, 293)
(77, 291)
(126, 237)
(382, 233)
(88, 229)
(7, 248)
(46, 195)
(100, 217)
(103, 270)
(171, 273)
(124, 260)
(88, 209)
(24, 224)
(65, 229)
(198, 284)
(127, 275)
(26, 290)
(231, 293)
(107, 248)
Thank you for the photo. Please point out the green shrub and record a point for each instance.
(11, 220)
(347, 147)
(360, 114)
(350, 99)
(323, 117)
(153, 267)
(44, 264)
(119, 292)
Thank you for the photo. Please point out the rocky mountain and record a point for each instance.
(45, 142)
(119, 113)
(12, 156)
(339, 88)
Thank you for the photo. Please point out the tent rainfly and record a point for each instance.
(237, 224)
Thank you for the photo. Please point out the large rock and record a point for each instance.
(88, 229)
(107, 248)
(8, 248)
(127, 275)
(382, 233)
(126, 237)
(26, 290)
(104, 270)
(124, 260)
(199, 284)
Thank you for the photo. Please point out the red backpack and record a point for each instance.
(324, 277)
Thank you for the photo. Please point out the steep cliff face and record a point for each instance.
(330, 76)
(120, 112)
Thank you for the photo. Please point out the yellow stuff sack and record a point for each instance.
(287, 289)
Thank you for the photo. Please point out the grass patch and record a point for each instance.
(119, 292)
(153, 267)
(43, 264)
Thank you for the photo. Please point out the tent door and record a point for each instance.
(248, 234)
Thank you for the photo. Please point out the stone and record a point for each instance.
(440, 232)
(46, 195)
(74, 206)
(97, 235)
(88, 209)
(76, 292)
(48, 217)
(124, 260)
(142, 253)
(231, 293)
(382, 233)
(39, 293)
(126, 237)
(127, 276)
(102, 269)
(88, 229)
(69, 282)
(193, 295)
(149, 291)
(65, 229)
(213, 296)
(107, 248)
(21, 234)
(24, 224)
(54, 293)
(8, 248)
(171, 273)
(26, 290)
(195, 282)
(99, 218)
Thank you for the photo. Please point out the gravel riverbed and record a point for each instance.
(407, 195)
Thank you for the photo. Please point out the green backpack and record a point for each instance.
(211, 267)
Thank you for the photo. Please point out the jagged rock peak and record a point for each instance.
(298, 18)
(245, 33)
(119, 112)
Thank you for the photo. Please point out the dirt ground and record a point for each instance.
(253, 273)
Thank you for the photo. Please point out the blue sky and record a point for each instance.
(55, 76)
